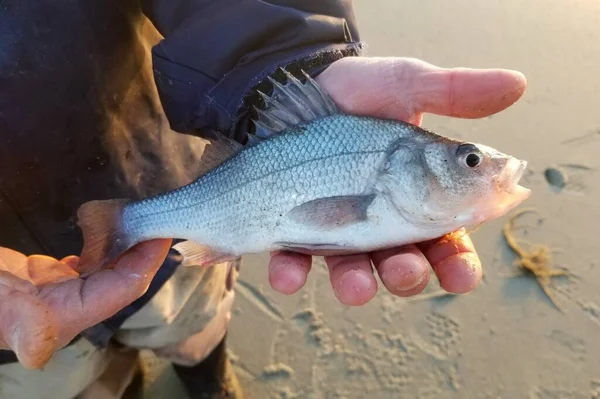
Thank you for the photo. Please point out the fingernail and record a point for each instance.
(415, 281)
(354, 291)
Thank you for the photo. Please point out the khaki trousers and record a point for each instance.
(183, 323)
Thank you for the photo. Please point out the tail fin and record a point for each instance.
(103, 235)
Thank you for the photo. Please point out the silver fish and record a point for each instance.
(317, 181)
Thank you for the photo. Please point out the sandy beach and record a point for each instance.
(506, 339)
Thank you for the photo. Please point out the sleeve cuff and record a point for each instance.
(226, 105)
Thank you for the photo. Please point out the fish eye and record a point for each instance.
(472, 160)
(469, 155)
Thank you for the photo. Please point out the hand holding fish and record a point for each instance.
(339, 167)
(403, 89)
(44, 304)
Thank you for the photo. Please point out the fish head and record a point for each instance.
(473, 183)
(455, 184)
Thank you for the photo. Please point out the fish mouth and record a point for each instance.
(511, 175)
(509, 194)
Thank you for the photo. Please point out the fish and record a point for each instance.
(314, 180)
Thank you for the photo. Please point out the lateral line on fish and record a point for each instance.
(146, 215)
(435, 179)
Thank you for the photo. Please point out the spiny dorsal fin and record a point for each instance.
(291, 104)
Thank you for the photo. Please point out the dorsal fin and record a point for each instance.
(291, 104)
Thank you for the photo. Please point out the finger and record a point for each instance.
(14, 262)
(127, 281)
(454, 261)
(352, 278)
(288, 271)
(399, 88)
(46, 270)
(9, 283)
(39, 269)
(108, 291)
(463, 92)
(71, 261)
(27, 328)
(403, 271)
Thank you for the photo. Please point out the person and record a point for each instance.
(114, 99)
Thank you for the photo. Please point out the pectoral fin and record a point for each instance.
(333, 211)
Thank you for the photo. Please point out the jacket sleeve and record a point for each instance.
(215, 53)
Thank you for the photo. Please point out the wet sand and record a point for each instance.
(506, 339)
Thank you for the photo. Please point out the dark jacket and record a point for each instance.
(82, 98)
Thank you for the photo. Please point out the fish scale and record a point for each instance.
(335, 157)
(331, 184)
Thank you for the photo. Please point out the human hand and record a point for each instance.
(403, 89)
(44, 304)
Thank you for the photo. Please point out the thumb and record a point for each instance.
(108, 291)
(27, 328)
(400, 88)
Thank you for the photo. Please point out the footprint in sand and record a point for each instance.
(595, 393)
(372, 361)
(259, 298)
(591, 310)
(568, 345)
(443, 336)
(562, 393)
(557, 393)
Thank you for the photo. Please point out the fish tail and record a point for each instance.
(103, 235)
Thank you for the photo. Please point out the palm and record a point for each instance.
(44, 304)
(403, 89)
